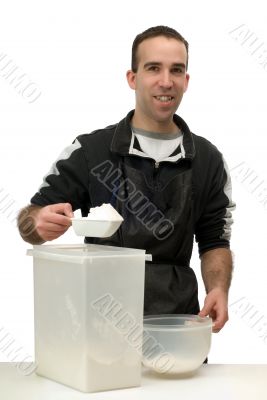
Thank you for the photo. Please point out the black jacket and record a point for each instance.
(163, 205)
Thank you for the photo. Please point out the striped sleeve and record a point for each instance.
(66, 181)
(227, 228)
(213, 229)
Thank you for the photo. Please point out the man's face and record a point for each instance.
(160, 80)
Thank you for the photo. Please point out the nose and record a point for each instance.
(165, 80)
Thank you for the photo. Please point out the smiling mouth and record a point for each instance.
(164, 99)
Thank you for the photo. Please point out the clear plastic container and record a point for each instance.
(176, 344)
(87, 299)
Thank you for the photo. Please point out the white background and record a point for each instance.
(77, 53)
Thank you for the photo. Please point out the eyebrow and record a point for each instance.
(151, 63)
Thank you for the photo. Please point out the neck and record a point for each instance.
(154, 126)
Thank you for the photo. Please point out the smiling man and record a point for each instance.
(169, 184)
(159, 79)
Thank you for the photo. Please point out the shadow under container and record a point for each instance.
(87, 298)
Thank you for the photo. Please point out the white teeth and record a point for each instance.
(164, 98)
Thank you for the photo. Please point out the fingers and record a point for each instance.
(57, 219)
(208, 306)
(51, 231)
(215, 306)
(53, 227)
(53, 220)
(205, 311)
(62, 208)
(51, 235)
(219, 321)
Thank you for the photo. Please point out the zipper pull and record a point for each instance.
(156, 164)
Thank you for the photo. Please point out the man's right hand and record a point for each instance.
(38, 224)
(53, 220)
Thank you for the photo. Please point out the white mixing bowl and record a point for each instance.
(176, 344)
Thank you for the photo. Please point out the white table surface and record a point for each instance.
(212, 381)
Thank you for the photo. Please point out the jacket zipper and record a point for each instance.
(155, 173)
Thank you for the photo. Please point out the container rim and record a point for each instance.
(150, 322)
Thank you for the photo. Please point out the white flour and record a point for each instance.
(181, 366)
(105, 212)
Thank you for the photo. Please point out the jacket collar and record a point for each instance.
(123, 135)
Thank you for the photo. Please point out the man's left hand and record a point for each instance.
(216, 306)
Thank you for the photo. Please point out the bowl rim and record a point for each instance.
(204, 322)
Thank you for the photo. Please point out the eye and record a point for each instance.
(177, 70)
(153, 68)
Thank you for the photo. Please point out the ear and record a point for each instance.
(187, 76)
(131, 79)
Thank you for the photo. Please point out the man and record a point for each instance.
(168, 184)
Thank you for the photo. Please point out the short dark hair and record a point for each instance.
(155, 31)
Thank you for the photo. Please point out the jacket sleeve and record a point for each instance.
(66, 181)
(213, 228)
